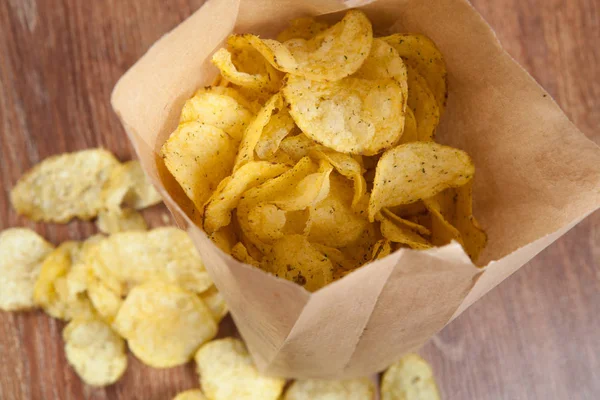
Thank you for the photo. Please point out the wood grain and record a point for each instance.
(534, 337)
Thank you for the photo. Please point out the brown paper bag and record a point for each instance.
(537, 176)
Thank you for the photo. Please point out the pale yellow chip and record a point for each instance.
(302, 28)
(313, 389)
(128, 186)
(279, 126)
(423, 105)
(22, 252)
(166, 254)
(96, 353)
(415, 171)
(217, 211)
(64, 186)
(199, 156)
(353, 115)
(402, 233)
(411, 378)
(215, 303)
(293, 258)
(164, 324)
(308, 192)
(422, 54)
(115, 220)
(329, 56)
(106, 301)
(193, 394)
(347, 166)
(228, 373)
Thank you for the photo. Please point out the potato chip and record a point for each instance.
(308, 192)
(421, 230)
(199, 156)
(354, 115)
(411, 378)
(78, 275)
(120, 220)
(225, 238)
(293, 258)
(313, 389)
(228, 373)
(301, 28)
(402, 233)
(279, 126)
(232, 92)
(96, 353)
(422, 54)
(105, 300)
(297, 147)
(193, 394)
(347, 166)
(22, 252)
(164, 324)
(329, 56)
(424, 106)
(415, 171)
(410, 133)
(128, 186)
(266, 222)
(215, 303)
(219, 110)
(65, 186)
(217, 211)
(381, 249)
(474, 238)
(281, 157)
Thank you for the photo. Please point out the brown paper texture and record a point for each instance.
(536, 177)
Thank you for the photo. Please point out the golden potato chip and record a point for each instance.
(281, 157)
(225, 238)
(96, 353)
(313, 389)
(232, 92)
(415, 171)
(128, 186)
(218, 109)
(215, 303)
(22, 252)
(381, 249)
(113, 220)
(199, 156)
(279, 126)
(297, 147)
(411, 378)
(164, 324)
(65, 186)
(329, 56)
(347, 166)
(228, 373)
(166, 254)
(105, 300)
(308, 192)
(354, 115)
(441, 207)
(421, 230)
(255, 129)
(301, 28)
(423, 104)
(266, 222)
(422, 54)
(402, 233)
(293, 258)
(193, 394)
(240, 253)
(217, 211)
(474, 238)
(410, 133)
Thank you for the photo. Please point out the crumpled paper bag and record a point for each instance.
(536, 177)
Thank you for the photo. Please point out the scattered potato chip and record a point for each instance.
(22, 252)
(422, 54)
(279, 126)
(217, 211)
(199, 156)
(354, 115)
(193, 394)
(474, 238)
(415, 171)
(411, 378)
(128, 186)
(163, 324)
(78, 275)
(228, 373)
(312, 389)
(64, 186)
(301, 28)
(94, 351)
(215, 303)
(105, 300)
(115, 220)
(424, 106)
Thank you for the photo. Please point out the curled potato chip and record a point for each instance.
(128, 186)
(313, 389)
(164, 324)
(349, 167)
(218, 109)
(292, 257)
(302, 28)
(120, 220)
(278, 127)
(217, 211)
(94, 351)
(297, 147)
(423, 104)
(415, 171)
(193, 394)
(64, 186)
(228, 373)
(353, 115)
(422, 54)
(381, 249)
(215, 303)
(411, 378)
(474, 238)
(308, 192)
(199, 156)
(22, 252)
(402, 232)
(421, 230)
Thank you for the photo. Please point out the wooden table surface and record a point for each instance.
(534, 337)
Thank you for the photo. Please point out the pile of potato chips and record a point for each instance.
(313, 154)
